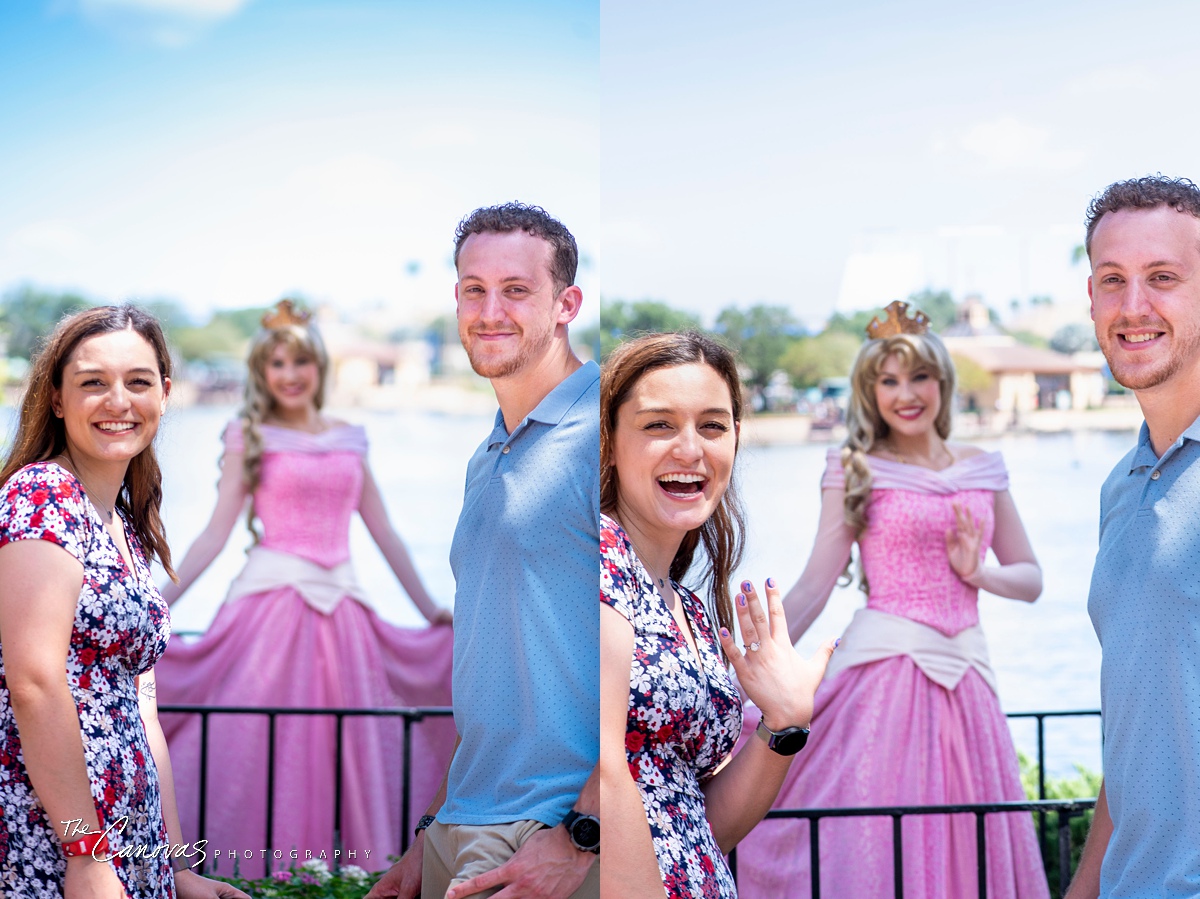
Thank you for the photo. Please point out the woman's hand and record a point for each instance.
(441, 615)
(88, 878)
(190, 885)
(963, 542)
(772, 673)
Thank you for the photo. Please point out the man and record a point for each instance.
(518, 808)
(1143, 241)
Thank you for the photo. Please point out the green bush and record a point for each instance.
(1084, 785)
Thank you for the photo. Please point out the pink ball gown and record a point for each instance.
(907, 715)
(295, 631)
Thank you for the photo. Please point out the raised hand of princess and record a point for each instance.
(963, 542)
(774, 676)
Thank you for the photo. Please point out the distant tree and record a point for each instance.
(224, 335)
(854, 324)
(971, 376)
(28, 314)
(760, 336)
(1077, 337)
(620, 320)
(1029, 338)
(829, 354)
(939, 305)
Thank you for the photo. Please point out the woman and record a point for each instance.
(911, 697)
(673, 801)
(87, 804)
(296, 630)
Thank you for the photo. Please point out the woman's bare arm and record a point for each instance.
(628, 866)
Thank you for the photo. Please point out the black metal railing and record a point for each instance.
(1041, 717)
(411, 717)
(1066, 808)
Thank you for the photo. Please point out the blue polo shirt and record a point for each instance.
(526, 561)
(1145, 606)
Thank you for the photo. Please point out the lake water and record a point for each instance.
(1045, 654)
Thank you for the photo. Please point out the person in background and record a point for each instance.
(87, 803)
(908, 713)
(296, 629)
(1143, 240)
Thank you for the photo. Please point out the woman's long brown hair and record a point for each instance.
(41, 435)
(723, 535)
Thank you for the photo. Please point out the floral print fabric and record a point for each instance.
(121, 628)
(684, 717)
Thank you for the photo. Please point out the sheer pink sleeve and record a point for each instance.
(1018, 576)
(830, 553)
(234, 441)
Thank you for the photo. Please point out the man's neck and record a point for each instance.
(519, 394)
(1169, 410)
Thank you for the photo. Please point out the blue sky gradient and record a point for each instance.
(288, 145)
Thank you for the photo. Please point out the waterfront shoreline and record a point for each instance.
(788, 429)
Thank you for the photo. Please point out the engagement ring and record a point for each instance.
(753, 647)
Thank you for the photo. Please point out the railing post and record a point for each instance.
(1064, 849)
(898, 855)
(202, 822)
(270, 786)
(981, 851)
(337, 784)
(406, 785)
(1041, 739)
(814, 854)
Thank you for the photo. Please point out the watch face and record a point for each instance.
(586, 832)
(790, 741)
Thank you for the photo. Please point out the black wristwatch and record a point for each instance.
(584, 831)
(422, 824)
(788, 741)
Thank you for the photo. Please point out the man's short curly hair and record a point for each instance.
(1149, 192)
(533, 220)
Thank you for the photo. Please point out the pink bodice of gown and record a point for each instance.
(904, 546)
(309, 487)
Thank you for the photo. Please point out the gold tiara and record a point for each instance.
(284, 315)
(897, 322)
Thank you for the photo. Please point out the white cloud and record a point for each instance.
(201, 9)
(48, 237)
(1128, 80)
(1008, 143)
(166, 23)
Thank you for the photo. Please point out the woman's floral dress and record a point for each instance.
(684, 717)
(121, 628)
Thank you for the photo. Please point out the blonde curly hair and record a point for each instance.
(257, 405)
(864, 424)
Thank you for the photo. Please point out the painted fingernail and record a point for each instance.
(741, 599)
(747, 586)
(771, 582)
(837, 642)
(724, 632)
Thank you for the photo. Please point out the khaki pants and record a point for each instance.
(457, 852)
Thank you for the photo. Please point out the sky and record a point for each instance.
(225, 153)
(820, 156)
(840, 155)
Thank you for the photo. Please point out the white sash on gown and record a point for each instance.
(322, 588)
